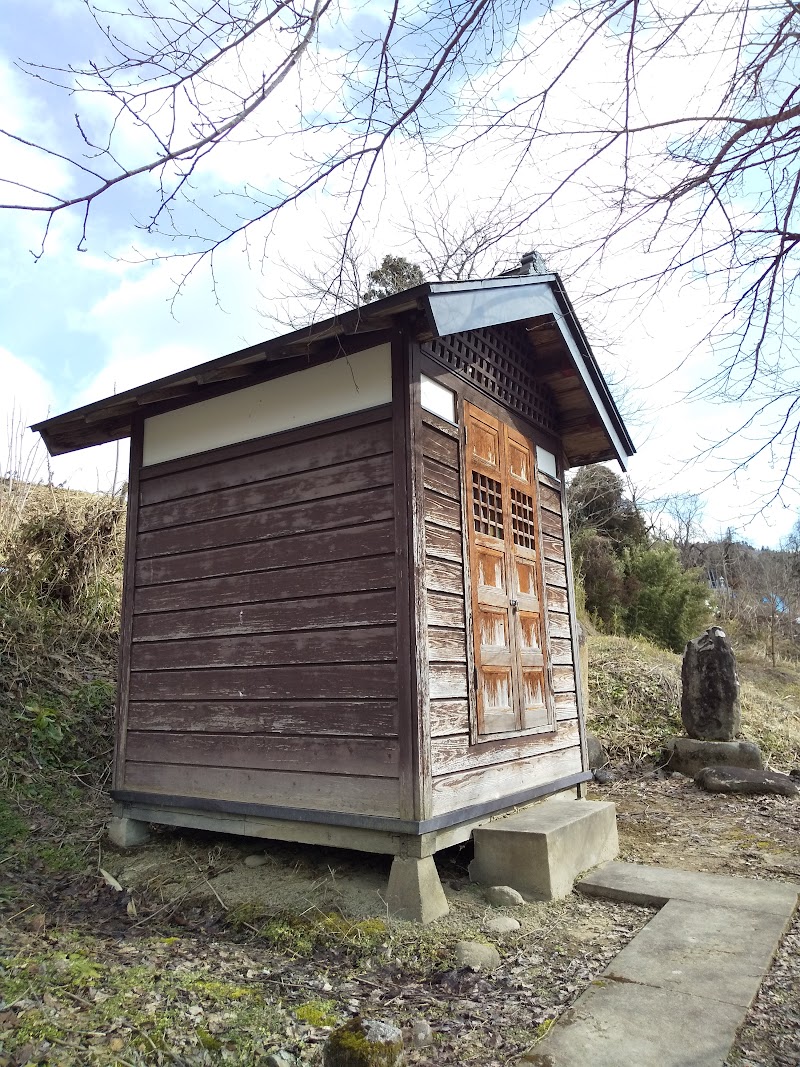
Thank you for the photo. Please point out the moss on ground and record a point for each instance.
(317, 1013)
(84, 992)
(349, 1046)
(303, 934)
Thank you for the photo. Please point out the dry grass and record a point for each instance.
(634, 697)
(60, 581)
(60, 585)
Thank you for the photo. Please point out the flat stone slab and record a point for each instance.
(636, 883)
(616, 1024)
(687, 755)
(746, 780)
(702, 950)
(677, 994)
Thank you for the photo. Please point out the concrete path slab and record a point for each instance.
(639, 884)
(718, 954)
(678, 993)
(620, 1025)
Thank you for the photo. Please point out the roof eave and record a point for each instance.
(448, 307)
(63, 433)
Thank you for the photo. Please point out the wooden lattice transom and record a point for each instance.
(496, 360)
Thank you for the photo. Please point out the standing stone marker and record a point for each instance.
(710, 707)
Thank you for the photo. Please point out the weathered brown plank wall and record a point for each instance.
(264, 654)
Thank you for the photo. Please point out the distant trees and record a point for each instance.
(643, 570)
(757, 590)
(633, 584)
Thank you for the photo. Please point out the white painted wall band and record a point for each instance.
(347, 384)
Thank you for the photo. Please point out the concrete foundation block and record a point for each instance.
(127, 833)
(540, 852)
(415, 892)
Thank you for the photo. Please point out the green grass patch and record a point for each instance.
(302, 935)
(317, 1013)
(12, 825)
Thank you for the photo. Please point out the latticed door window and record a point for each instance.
(510, 665)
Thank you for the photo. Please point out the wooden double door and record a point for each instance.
(512, 687)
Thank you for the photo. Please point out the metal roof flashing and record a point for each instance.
(448, 307)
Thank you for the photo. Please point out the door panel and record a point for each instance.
(534, 704)
(495, 694)
(509, 642)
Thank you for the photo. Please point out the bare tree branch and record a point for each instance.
(572, 93)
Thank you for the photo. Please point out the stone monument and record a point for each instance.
(710, 709)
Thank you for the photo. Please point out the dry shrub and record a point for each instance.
(634, 700)
(61, 557)
(634, 697)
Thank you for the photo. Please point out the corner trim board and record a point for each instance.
(128, 592)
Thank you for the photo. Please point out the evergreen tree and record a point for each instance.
(393, 276)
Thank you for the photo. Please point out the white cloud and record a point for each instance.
(25, 397)
(132, 321)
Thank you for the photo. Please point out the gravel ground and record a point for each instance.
(108, 977)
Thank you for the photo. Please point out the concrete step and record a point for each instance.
(542, 850)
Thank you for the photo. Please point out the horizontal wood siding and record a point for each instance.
(465, 772)
(264, 653)
(562, 645)
(485, 784)
(307, 789)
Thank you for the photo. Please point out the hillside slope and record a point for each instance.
(635, 691)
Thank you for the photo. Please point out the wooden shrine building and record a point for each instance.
(348, 615)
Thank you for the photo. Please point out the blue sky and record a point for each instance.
(78, 325)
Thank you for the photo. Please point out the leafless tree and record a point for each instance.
(678, 518)
(455, 241)
(328, 92)
(445, 242)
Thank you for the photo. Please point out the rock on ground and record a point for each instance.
(258, 859)
(502, 924)
(503, 896)
(365, 1043)
(598, 757)
(476, 955)
(710, 707)
(746, 780)
(420, 1034)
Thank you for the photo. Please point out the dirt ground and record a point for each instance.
(666, 820)
(187, 952)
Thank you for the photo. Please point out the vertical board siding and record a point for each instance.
(264, 631)
(463, 772)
